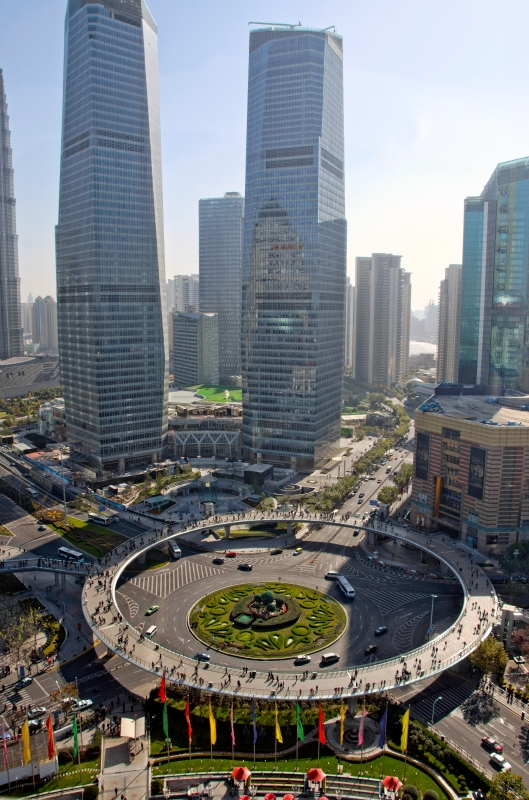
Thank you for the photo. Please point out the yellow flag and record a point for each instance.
(405, 727)
(26, 750)
(342, 721)
(278, 729)
(212, 726)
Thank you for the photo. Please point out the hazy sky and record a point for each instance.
(436, 94)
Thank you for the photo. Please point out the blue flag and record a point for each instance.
(383, 723)
(254, 722)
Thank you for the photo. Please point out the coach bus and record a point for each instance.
(71, 555)
(346, 587)
(175, 550)
(99, 519)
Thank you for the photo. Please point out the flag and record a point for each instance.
(74, 729)
(405, 727)
(161, 693)
(321, 732)
(188, 720)
(301, 733)
(6, 760)
(254, 722)
(231, 724)
(342, 721)
(51, 740)
(362, 724)
(212, 726)
(164, 721)
(383, 723)
(26, 750)
(279, 736)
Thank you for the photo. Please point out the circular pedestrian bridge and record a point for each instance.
(243, 675)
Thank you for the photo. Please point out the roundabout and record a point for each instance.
(115, 603)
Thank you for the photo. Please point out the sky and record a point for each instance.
(436, 94)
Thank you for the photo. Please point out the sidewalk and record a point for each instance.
(129, 775)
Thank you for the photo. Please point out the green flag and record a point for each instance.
(165, 725)
(74, 728)
(301, 735)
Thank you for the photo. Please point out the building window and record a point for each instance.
(492, 538)
(448, 433)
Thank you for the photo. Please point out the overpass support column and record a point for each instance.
(141, 558)
(227, 531)
(56, 576)
(443, 569)
(289, 528)
(63, 581)
(351, 705)
(371, 537)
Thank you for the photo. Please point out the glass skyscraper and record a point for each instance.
(294, 258)
(220, 268)
(494, 333)
(11, 338)
(109, 239)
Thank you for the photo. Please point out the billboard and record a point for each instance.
(476, 472)
(422, 456)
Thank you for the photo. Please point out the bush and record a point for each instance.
(90, 792)
(411, 790)
(156, 786)
(430, 795)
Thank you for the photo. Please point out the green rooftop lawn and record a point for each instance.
(215, 394)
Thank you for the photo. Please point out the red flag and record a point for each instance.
(188, 720)
(161, 693)
(321, 732)
(51, 740)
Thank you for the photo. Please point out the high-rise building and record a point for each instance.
(110, 248)
(350, 329)
(220, 268)
(383, 303)
(431, 320)
(494, 334)
(186, 293)
(294, 258)
(44, 323)
(169, 292)
(195, 348)
(449, 322)
(26, 311)
(11, 335)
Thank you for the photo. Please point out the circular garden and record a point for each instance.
(272, 620)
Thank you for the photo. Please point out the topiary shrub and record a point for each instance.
(407, 797)
(430, 794)
(156, 786)
(411, 790)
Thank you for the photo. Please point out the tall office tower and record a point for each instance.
(109, 240)
(11, 335)
(195, 348)
(449, 322)
(431, 320)
(26, 312)
(294, 257)
(383, 303)
(494, 333)
(221, 221)
(44, 323)
(186, 293)
(350, 329)
(169, 292)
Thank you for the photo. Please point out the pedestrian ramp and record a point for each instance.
(451, 697)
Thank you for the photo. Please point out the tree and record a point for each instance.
(506, 786)
(490, 656)
(403, 476)
(520, 639)
(388, 494)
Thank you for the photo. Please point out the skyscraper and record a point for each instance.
(350, 328)
(195, 348)
(383, 302)
(186, 293)
(294, 248)
(220, 268)
(109, 240)
(449, 322)
(494, 333)
(44, 323)
(11, 336)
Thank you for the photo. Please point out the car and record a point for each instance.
(276, 551)
(37, 712)
(361, 495)
(245, 567)
(202, 656)
(80, 705)
(218, 560)
(34, 724)
(518, 579)
(42, 528)
(23, 682)
(230, 553)
(151, 610)
(331, 575)
(297, 551)
(491, 744)
(357, 514)
(360, 501)
(380, 630)
(379, 480)
(499, 762)
(371, 648)
(302, 659)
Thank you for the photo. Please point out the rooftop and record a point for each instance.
(490, 410)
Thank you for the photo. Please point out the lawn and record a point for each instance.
(69, 775)
(4, 531)
(9, 583)
(93, 539)
(216, 394)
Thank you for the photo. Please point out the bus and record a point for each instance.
(98, 519)
(346, 587)
(175, 550)
(71, 555)
(31, 492)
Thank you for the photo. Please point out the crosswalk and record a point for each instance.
(403, 636)
(165, 583)
(388, 601)
(451, 698)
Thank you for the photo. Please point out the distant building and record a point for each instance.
(24, 374)
(383, 308)
(211, 431)
(186, 293)
(44, 323)
(169, 294)
(350, 330)
(417, 328)
(26, 310)
(431, 315)
(221, 223)
(52, 419)
(449, 323)
(195, 348)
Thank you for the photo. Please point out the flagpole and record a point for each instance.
(232, 735)
(297, 749)
(406, 754)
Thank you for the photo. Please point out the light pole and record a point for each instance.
(433, 707)
(63, 487)
(431, 629)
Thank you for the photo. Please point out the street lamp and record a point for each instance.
(63, 486)
(433, 707)
(431, 629)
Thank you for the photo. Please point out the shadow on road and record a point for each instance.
(523, 738)
(479, 708)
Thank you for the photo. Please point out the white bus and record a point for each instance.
(346, 587)
(71, 555)
(175, 550)
(98, 519)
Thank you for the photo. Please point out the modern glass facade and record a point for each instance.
(109, 239)
(294, 259)
(11, 336)
(220, 266)
(494, 334)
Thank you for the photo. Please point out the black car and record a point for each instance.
(202, 656)
(218, 561)
(23, 682)
(245, 567)
(276, 552)
(380, 630)
(371, 648)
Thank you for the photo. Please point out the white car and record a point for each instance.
(80, 705)
(499, 762)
